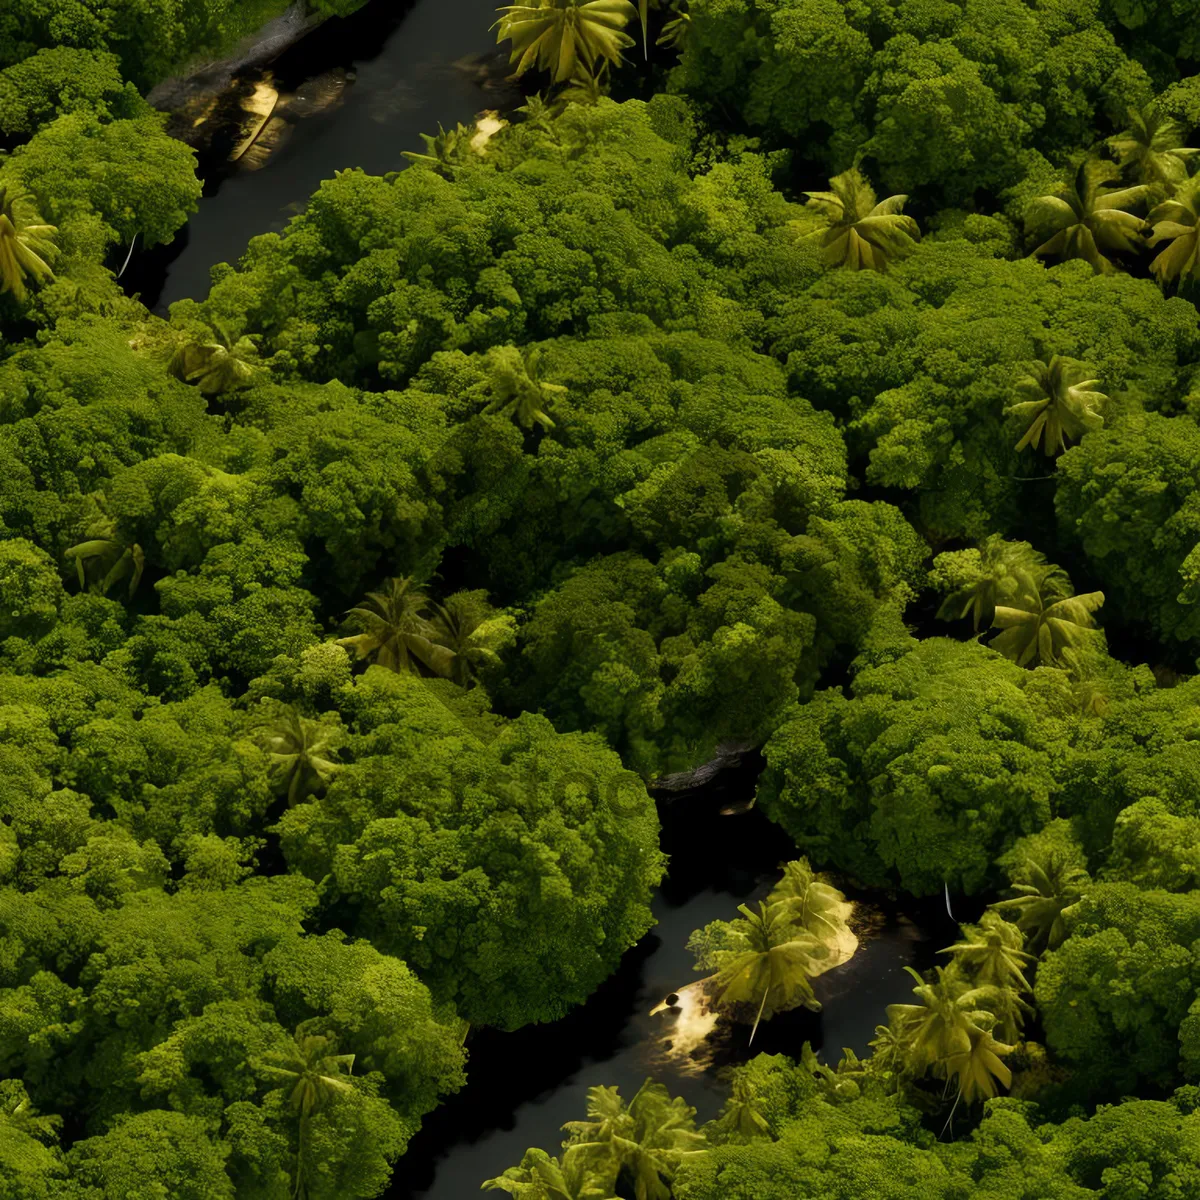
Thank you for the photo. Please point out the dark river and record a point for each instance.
(403, 81)
(522, 1086)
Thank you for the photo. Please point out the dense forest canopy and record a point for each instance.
(819, 376)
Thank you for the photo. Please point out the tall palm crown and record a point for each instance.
(646, 1140)
(930, 1029)
(584, 87)
(814, 906)
(976, 1066)
(1043, 903)
(1177, 222)
(991, 954)
(555, 35)
(473, 632)
(949, 1034)
(742, 1117)
(517, 387)
(888, 1048)
(397, 631)
(539, 114)
(316, 1072)
(542, 1177)
(443, 150)
(860, 232)
(840, 1082)
(1088, 218)
(302, 751)
(219, 363)
(103, 559)
(1004, 572)
(766, 962)
(1039, 634)
(1153, 146)
(317, 1075)
(1058, 403)
(606, 1133)
(25, 243)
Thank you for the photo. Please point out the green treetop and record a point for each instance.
(862, 233)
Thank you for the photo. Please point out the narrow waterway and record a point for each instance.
(368, 86)
(522, 1086)
(399, 71)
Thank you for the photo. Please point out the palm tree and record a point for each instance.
(106, 558)
(664, 1133)
(673, 31)
(1153, 145)
(444, 149)
(216, 364)
(396, 630)
(517, 388)
(315, 1071)
(302, 751)
(814, 906)
(1043, 903)
(1087, 218)
(555, 35)
(928, 1031)
(25, 243)
(1006, 571)
(949, 1034)
(1176, 221)
(541, 1177)
(540, 114)
(584, 87)
(840, 1084)
(861, 233)
(990, 954)
(1059, 404)
(604, 1142)
(1040, 634)
(474, 633)
(646, 1140)
(976, 1066)
(764, 958)
(888, 1049)
(742, 1118)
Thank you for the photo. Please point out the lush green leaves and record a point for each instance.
(62, 79)
(1088, 218)
(937, 762)
(510, 870)
(559, 35)
(860, 232)
(25, 243)
(591, 388)
(1060, 405)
